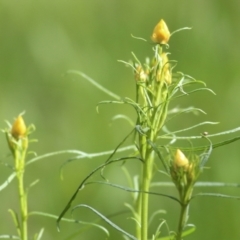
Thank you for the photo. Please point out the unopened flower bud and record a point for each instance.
(161, 33)
(165, 72)
(180, 160)
(18, 128)
(140, 74)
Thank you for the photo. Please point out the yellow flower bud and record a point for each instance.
(164, 73)
(161, 33)
(167, 73)
(180, 160)
(18, 128)
(140, 75)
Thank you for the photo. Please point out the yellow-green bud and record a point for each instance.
(19, 128)
(140, 74)
(164, 73)
(180, 160)
(161, 33)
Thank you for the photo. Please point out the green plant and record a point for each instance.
(157, 85)
(17, 136)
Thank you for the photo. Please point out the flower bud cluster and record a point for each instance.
(159, 69)
(183, 171)
(17, 136)
(154, 80)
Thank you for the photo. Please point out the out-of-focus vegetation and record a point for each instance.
(41, 40)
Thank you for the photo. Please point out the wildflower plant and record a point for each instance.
(17, 136)
(157, 85)
(154, 147)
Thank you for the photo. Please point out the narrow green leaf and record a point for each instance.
(190, 230)
(106, 220)
(158, 232)
(216, 184)
(8, 181)
(94, 83)
(47, 155)
(199, 148)
(215, 195)
(121, 116)
(155, 214)
(197, 184)
(16, 221)
(31, 185)
(134, 190)
(71, 221)
(39, 235)
(83, 155)
(9, 237)
(166, 135)
(185, 233)
(180, 29)
(155, 148)
(138, 38)
(67, 207)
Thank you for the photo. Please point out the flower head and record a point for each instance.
(161, 33)
(180, 160)
(19, 128)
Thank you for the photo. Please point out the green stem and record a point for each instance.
(182, 220)
(23, 206)
(143, 150)
(155, 109)
(139, 215)
(20, 166)
(185, 199)
(147, 154)
(147, 176)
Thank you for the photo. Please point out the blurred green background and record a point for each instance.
(41, 40)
